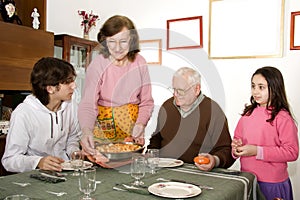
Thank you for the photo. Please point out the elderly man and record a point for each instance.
(189, 124)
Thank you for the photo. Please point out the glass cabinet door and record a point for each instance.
(79, 53)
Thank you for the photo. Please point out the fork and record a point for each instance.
(200, 186)
(59, 194)
(21, 184)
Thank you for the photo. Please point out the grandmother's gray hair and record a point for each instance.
(193, 77)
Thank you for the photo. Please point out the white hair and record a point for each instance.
(192, 76)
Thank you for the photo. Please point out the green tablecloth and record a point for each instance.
(226, 187)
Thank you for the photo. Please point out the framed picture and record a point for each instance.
(184, 33)
(295, 31)
(246, 29)
(151, 51)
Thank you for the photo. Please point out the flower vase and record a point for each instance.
(86, 31)
(86, 36)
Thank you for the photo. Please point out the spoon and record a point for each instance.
(57, 193)
(21, 184)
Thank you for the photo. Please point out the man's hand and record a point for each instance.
(207, 167)
(50, 163)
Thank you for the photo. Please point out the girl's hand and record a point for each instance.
(235, 144)
(246, 150)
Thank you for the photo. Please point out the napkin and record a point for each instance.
(129, 188)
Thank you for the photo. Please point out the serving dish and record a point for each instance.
(126, 154)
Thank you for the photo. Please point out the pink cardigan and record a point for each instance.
(110, 85)
(277, 144)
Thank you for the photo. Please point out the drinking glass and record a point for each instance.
(76, 162)
(137, 169)
(87, 183)
(153, 159)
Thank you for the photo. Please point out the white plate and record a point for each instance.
(169, 162)
(174, 190)
(67, 165)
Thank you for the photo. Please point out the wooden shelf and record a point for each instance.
(21, 48)
(69, 42)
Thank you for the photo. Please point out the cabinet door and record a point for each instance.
(75, 50)
(78, 52)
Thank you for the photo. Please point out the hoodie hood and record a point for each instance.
(32, 101)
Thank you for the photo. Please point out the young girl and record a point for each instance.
(266, 136)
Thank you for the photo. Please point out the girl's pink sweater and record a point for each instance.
(277, 144)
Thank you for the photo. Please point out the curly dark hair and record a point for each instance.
(114, 25)
(277, 96)
(49, 71)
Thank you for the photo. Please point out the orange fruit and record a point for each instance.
(201, 160)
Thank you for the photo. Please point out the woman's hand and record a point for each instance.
(140, 141)
(87, 142)
(50, 163)
(101, 160)
(138, 133)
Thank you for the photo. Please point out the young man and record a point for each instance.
(189, 123)
(44, 129)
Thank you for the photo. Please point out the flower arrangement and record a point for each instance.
(88, 21)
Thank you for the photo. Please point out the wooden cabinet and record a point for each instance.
(21, 48)
(77, 51)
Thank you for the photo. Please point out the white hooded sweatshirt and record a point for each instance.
(36, 132)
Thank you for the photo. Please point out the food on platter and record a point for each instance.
(118, 147)
(118, 150)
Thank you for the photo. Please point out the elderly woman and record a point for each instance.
(117, 101)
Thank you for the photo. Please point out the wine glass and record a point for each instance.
(137, 169)
(87, 183)
(153, 159)
(76, 162)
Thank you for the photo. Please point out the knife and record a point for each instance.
(200, 186)
(52, 173)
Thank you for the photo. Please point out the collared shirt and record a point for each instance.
(196, 103)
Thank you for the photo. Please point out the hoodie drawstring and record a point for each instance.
(62, 121)
(56, 121)
(51, 119)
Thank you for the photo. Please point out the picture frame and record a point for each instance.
(151, 50)
(295, 31)
(243, 33)
(180, 36)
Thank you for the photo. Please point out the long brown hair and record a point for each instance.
(277, 96)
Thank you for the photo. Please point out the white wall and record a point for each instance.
(226, 81)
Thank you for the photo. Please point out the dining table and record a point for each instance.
(218, 184)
